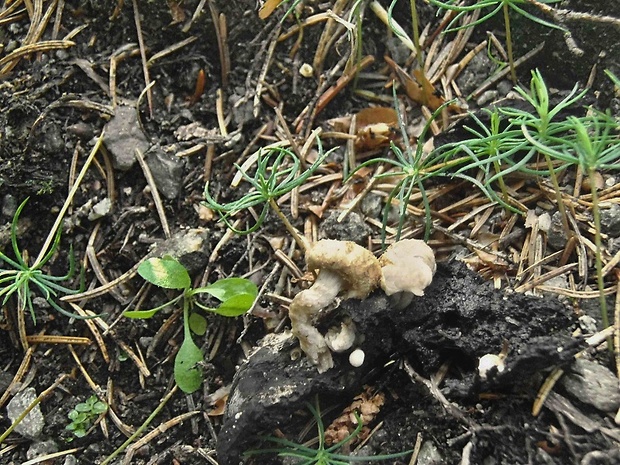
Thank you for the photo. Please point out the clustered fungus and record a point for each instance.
(349, 271)
(344, 269)
(407, 268)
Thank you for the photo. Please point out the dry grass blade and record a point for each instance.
(101, 290)
(159, 206)
(96, 389)
(50, 458)
(272, 41)
(533, 283)
(333, 28)
(341, 83)
(545, 390)
(51, 339)
(502, 74)
(38, 24)
(434, 390)
(162, 428)
(9, 61)
(145, 66)
(221, 33)
(19, 374)
(561, 15)
(616, 327)
(91, 254)
(93, 329)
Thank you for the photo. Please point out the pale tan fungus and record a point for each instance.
(344, 269)
(407, 268)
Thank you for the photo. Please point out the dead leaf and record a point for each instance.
(418, 88)
(367, 405)
(268, 7)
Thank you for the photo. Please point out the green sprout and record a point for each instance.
(415, 26)
(489, 150)
(546, 128)
(84, 415)
(505, 6)
(22, 278)
(278, 172)
(322, 455)
(590, 142)
(414, 167)
(615, 79)
(236, 295)
(596, 146)
(493, 146)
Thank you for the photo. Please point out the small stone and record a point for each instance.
(487, 97)
(503, 87)
(167, 171)
(32, 424)
(593, 384)
(190, 247)
(429, 455)
(544, 222)
(352, 228)
(610, 220)
(356, 358)
(100, 209)
(123, 136)
(41, 448)
(556, 236)
(70, 460)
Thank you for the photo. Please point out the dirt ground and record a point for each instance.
(222, 82)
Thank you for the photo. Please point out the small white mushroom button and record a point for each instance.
(356, 358)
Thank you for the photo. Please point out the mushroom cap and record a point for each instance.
(356, 266)
(407, 266)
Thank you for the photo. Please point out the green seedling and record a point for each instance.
(500, 148)
(596, 146)
(84, 415)
(414, 167)
(546, 128)
(489, 150)
(615, 79)
(278, 172)
(236, 295)
(322, 455)
(495, 5)
(21, 278)
(516, 136)
(415, 26)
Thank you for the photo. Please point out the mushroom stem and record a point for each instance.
(302, 311)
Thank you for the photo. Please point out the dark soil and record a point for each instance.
(53, 107)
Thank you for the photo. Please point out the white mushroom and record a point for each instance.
(340, 338)
(356, 358)
(345, 269)
(407, 268)
(490, 362)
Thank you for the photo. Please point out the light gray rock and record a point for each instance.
(123, 136)
(555, 235)
(32, 424)
(592, 383)
(41, 448)
(429, 454)
(189, 246)
(610, 220)
(352, 228)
